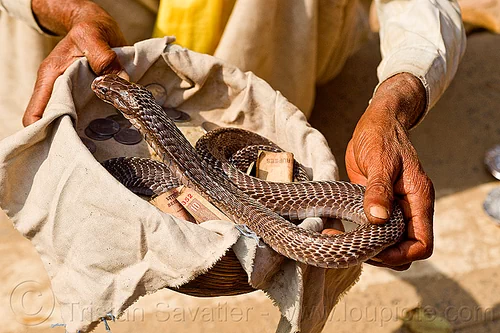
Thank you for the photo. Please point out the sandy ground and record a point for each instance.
(460, 282)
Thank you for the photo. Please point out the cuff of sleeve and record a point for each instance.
(21, 9)
(428, 66)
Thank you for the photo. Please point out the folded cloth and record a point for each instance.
(104, 247)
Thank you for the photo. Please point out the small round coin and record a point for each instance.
(172, 113)
(128, 136)
(492, 204)
(121, 120)
(183, 118)
(492, 161)
(158, 91)
(89, 144)
(208, 126)
(94, 136)
(103, 126)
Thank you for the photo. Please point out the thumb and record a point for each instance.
(102, 59)
(96, 47)
(379, 196)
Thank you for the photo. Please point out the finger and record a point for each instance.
(49, 71)
(331, 232)
(417, 195)
(406, 252)
(418, 210)
(379, 195)
(399, 268)
(39, 99)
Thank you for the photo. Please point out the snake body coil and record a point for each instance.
(258, 204)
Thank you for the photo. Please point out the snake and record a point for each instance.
(266, 208)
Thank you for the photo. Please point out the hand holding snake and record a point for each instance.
(381, 157)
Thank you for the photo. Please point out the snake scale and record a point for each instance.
(262, 206)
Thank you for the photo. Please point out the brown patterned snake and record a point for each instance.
(260, 205)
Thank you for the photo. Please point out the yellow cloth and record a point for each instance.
(197, 24)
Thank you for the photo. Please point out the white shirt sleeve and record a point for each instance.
(20, 9)
(423, 37)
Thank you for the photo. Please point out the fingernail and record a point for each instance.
(124, 75)
(332, 232)
(379, 212)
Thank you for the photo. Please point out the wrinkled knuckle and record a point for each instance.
(48, 65)
(430, 187)
(47, 72)
(81, 30)
(426, 181)
(409, 152)
(102, 63)
(379, 187)
(56, 62)
(84, 31)
(427, 187)
(99, 29)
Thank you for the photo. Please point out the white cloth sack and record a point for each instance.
(103, 246)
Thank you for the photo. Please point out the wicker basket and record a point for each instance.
(225, 278)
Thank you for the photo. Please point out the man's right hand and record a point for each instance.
(89, 31)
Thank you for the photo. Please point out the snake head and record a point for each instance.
(114, 90)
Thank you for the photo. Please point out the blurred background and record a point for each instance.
(458, 288)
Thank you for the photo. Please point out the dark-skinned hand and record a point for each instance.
(88, 31)
(381, 157)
